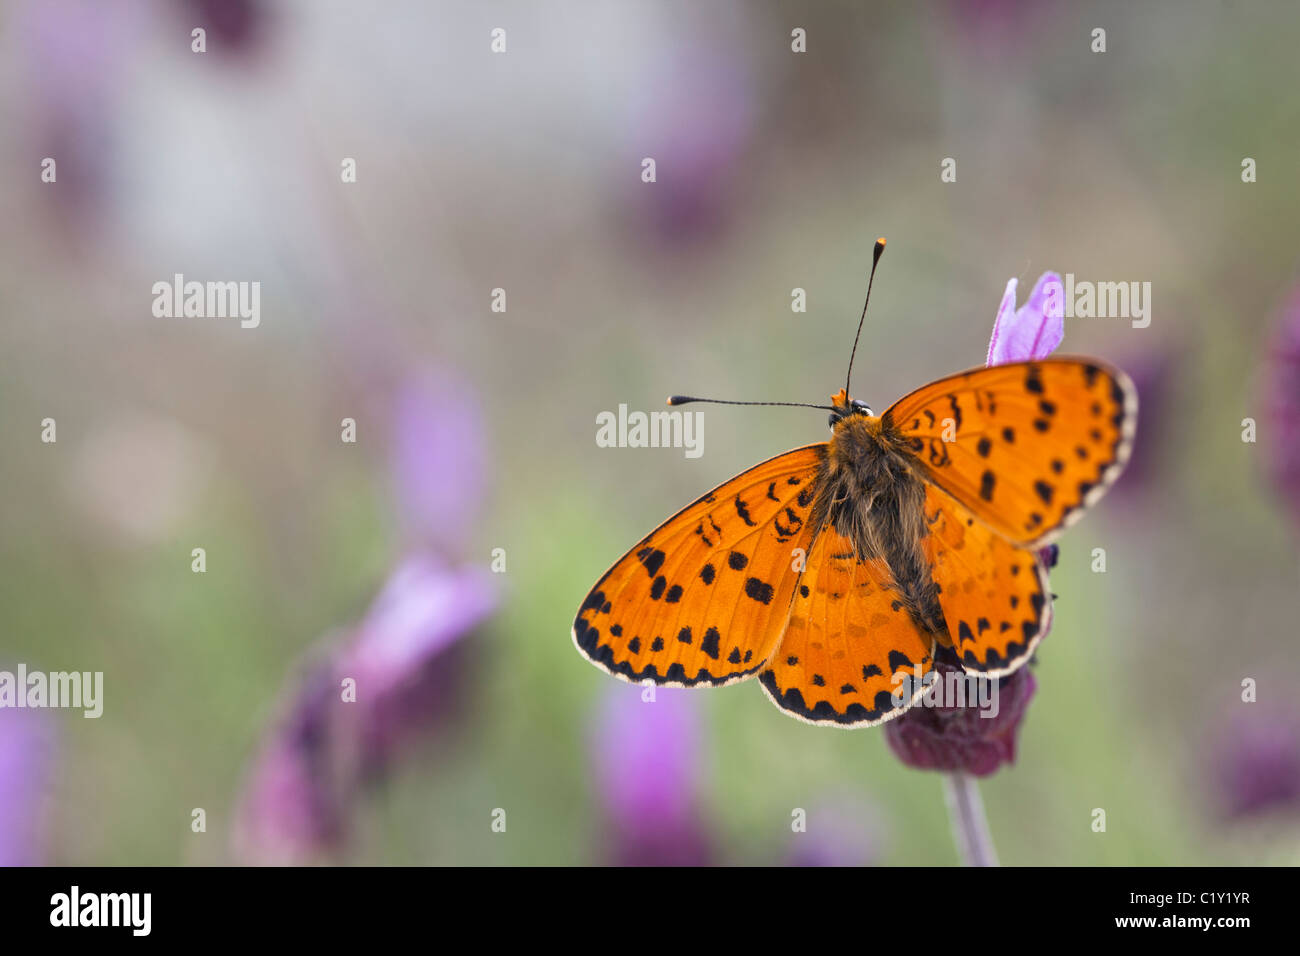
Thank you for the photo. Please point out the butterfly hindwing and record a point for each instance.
(847, 636)
(703, 599)
(993, 594)
(1024, 446)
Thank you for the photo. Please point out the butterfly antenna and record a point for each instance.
(875, 260)
(687, 399)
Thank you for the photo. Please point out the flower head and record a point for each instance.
(1256, 764)
(963, 738)
(355, 706)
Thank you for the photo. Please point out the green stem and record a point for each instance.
(970, 828)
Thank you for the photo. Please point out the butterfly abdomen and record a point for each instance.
(871, 495)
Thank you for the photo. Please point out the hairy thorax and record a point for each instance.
(874, 496)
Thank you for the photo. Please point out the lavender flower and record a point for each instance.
(235, 27)
(963, 739)
(697, 123)
(76, 54)
(647, 762)
(307, 780)
(405, 656)
(295, 805)
(1283, 407)
(26, 763)
(1255, 764)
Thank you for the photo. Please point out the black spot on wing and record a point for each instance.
(743, 510)
(760, 591)
(652, 558)
(987, 482)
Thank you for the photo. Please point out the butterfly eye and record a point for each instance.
(832, 418)
(862, 406)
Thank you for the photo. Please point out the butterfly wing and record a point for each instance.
(993, 593)
(704, 598)
(848, 635)
(1025, 446)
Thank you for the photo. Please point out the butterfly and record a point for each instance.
(833, 570)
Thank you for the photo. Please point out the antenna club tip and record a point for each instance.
(673, 399)
(875, 255)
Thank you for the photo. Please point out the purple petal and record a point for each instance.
(1035, 329)
(439, 462)
(423, 609)
(1282, 406)
(408, 658)
(26, 764)
(647, 763)
(294, 807)
(304, 783)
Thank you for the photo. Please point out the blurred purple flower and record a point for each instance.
(697, 125)
(406, 655)
(76, 52)
(1152, 372)
(403, 659)
(841, 832)
(962, 739)
(647, 768)
(26, 768)
(1255, 764)
(1035, 329)
(234, 26)
(295, 805)
(1282, 405)
(439, 464)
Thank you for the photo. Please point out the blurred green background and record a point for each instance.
(522, 171)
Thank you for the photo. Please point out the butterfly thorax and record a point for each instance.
(871, 493)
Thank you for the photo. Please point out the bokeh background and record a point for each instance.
(476, 429)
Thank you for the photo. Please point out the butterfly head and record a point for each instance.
(842, 407)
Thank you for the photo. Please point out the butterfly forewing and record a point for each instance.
(1025, 446)
(704, 598)
(848, 636)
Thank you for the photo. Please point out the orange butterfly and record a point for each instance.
(830, 569)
